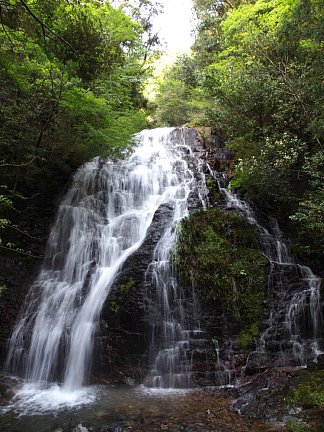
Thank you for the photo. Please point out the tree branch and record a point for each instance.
(3, 164)
(45, 26)
(15, 227)
(22, 252)
(4, 28)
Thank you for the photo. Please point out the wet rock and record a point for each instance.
(257, 362)
(19, 271)
(262, 396)
(318, 364)
(130, 382)
(8, 388)
(80, 428)
(123, 336)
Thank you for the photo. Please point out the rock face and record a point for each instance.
(123, 339)
(262, 396)
(17, 273)
(121, 344)
(124, 335)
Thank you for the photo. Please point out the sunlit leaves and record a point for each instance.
(71, 76)
(311, 210)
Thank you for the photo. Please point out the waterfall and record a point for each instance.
(103, 219)
(173, 311)
(292, 332)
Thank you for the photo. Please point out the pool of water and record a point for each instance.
(111, 409)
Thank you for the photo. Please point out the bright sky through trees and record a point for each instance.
(174, 25)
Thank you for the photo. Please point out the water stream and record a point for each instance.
(292, 332)
(174, 312)
(103, 219)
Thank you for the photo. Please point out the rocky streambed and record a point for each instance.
(276, 400)
(139, 410)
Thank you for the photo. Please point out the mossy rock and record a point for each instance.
(123, 289)
(216, 251)
(213, 191)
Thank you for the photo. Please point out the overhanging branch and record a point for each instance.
(46, 27)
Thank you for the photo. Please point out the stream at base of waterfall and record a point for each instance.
(137, 409)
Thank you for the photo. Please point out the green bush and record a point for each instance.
(293, 426)
(309, 394)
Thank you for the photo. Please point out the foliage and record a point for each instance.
(293, 426)
(71, 78)
(179, 100)
(125, 287)
(173, 107)
(311, 210)
(216, 252)
(308, 395)
(278, 159)
(114, 306)
(142, 11)
(309, 392)
(213, 191)
(3, 287)
(249, 337)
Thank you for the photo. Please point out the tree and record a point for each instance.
(71, 78)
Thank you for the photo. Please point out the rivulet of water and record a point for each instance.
(293, 330)
(174, 317)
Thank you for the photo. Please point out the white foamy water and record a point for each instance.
(30, 399)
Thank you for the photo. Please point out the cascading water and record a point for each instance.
(174, 317)
(171, 366)
(101, 221)
(293, 330)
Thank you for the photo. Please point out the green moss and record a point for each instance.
(114, 306)
(293, 426)
(124, 288)
(216, 251)
(248, 337)
(213, 190)
(3, 288)
(309, 392)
